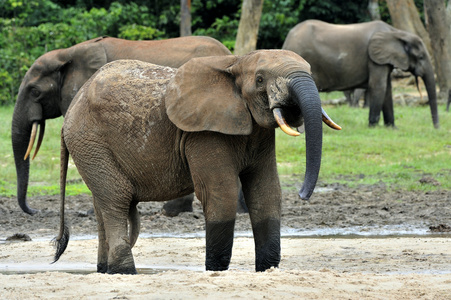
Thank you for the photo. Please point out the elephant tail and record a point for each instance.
(62, 239)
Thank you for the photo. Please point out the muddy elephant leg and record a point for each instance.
(219, 200)
(387, 109)
(114, 204)
(102, 252)
(112, 194)
(216, 185)
(263, 198)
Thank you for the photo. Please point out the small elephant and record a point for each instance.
(141, 132)
(54, 78)
(346, 57)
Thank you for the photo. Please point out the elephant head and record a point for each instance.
(407, 52)
(45, 93)
(271, 88)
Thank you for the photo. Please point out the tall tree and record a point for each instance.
(246, 38)
(185, 17)
(404, 15)
(439, 30)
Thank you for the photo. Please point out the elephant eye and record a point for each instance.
(259, 80)
(35, 92)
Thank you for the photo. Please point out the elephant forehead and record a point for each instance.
(275, 59)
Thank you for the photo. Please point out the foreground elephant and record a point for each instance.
(140, 132)
(346, 57)
(54, 78)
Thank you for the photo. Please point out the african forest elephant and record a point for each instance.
(346, 57)
(54, 78)
(141, 132)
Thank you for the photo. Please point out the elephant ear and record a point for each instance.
(388, 48)
(81, 62)
(203, 96)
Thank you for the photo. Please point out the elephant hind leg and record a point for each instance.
(387, 108)
(102, 251)
(112, 194)
(135, 223)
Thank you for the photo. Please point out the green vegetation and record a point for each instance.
(44, 169)
(359, 155)
(31, 28)
(355, 155)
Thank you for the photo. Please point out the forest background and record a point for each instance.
(30, 28)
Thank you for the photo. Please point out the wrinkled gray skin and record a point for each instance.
(346, 57)
(141, 132)
(54, 78)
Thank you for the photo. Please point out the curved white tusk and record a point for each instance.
(32, 138)
(329, 121)
(41, 136)
(283, 124)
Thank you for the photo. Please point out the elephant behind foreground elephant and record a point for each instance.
(141, 132)
(51, 83)
(346, 57)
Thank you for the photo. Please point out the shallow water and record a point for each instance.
(81, 269)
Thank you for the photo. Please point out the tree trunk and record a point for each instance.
(185, 17)
(246, 38)
(439, 31)
(373, 9)
(404, 15)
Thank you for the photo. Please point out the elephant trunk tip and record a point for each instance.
(305, 195)
(24, 205)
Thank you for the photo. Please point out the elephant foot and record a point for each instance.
(102, 268)
(174, 207)
(391, 125)
(267, 245)
(120, 261)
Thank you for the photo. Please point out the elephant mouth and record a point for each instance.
(281, 117)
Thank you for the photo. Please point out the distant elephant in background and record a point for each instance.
(353, 97)
(346, 57)
(51, 83)
(141, 132)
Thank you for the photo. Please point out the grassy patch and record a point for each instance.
(415, 156)
(44, 169)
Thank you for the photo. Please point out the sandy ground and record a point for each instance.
(366, 268)
(415, 263)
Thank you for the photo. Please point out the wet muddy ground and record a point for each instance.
(413, 264)
(333, 209)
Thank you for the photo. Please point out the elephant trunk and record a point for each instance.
(429, 82)
(20, 135)
(304, 91)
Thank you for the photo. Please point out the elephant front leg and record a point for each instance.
(218, 194)
(263, 198)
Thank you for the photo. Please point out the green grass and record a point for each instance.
(361, 155)
(355, 155)
(44, 169)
